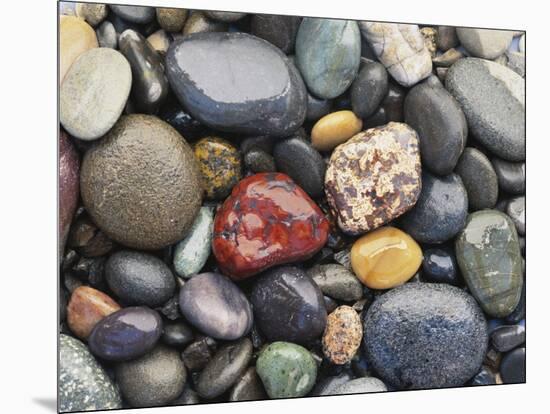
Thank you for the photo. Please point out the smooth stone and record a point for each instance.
(300, 161)
(197, 22)
(484, 377)
(139, 278)
(507, 337)
(93, 13)
(126, 334)
(521, 44)
(479, 179)
(222, 16)
(401, 49)
(86, 308)
(69, 172)
(160, 41)
(275, 223)
(287, 370)
(511, 176)
(512, 367)
(317, 108)
(220, 165)
(134, 14)
(191, 254)
(369, 89)
(83, 384)
(216, 306)
(447, 59)
(446, 38)
(425, 335)
(197, 355)
(106, 35)
(75, 37)
(248, 388)
(88, 115)
(337, 282)
(334, 129)
(342, 336)
(280, 31)
(440, 124)
(258, 161)
(360, 385)
(224, 369)
(440, 266)
(170, 19)
(328, 55)
(440, 212)
(149, 84)
(385, 258)
(177, 334)
(152, 162)
(288, 306)
(487, 251)
(326, 385)
(374, 177)
(515, 209)
(493, 100)
(244, 94)
(155, 379)
(484, 43)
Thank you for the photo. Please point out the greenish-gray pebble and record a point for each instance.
(337, 282)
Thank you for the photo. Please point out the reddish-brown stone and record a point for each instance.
(268, 220)
(69, 166)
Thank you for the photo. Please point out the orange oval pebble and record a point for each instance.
(334, 129)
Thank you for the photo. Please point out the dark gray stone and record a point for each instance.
(337, 282)
(511, 176)
(440, 266)
(134, 14)
(199, 353)
(507, 337)
(278, 30)
(106, 35)
(368, 89)
(479, 179)
(317, 108)
(177, 334)
(516, 211)
(512, 367)
(360, 385)
(259, 161)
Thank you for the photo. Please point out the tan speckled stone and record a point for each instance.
(343, 335)
(374, 177)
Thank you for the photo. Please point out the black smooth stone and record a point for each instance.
(259, 161)
(507, 337)
(126, 334)
(185, 124)
(317, 107)
(288, 306)
(511, 176)
(512, 366)
(483, 377)
(149, 84)
(248, 388)
(177, 334)
(440, 123)
(134, 14)
(440, 212)
(440, 266)
(199, 353)
(515, 209)
(236, 82)
(278, 30)
(139, 278)
(303, 163)
(368, 89)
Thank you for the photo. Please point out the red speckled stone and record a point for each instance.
(69, 167)
(268, 220)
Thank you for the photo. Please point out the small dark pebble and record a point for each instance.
(439, 266)
(177, 334)
(257, 161)
(171, 308)
(317, 107)
(512, 366)
(507, 337)
(199, 353)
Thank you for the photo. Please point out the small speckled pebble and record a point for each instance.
(343, 335)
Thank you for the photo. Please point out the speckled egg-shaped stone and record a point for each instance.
(83, 385)
(374, 177)
(157, 193)
(286, 370)
(220, 164)
(343, 335)
(75, 37)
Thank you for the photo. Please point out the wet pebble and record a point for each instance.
(440, 266)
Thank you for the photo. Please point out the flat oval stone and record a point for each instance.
(278, 30)
(155, 379)
(134, 14)
(75, 37)
(69, 174)
(149, 84)
(374, 177)
(342, 336)
(369, 89)
(385, 258)
(220, 164)
(401, 49)
(360, 385)
(493, 100)
(248, 388)
(288, 306)
(267, 220)
(301, 162)
(253, 90)
(440, 124)
(334, 129)
(425, 335)
(440, 266)
(216, 306)
(484, 43)
(507, 337)
(86, 308)
(515, 209)
(152, 162)
(94, 92)
(126, 334)
(337, 282)
(83, 384)
(479, 179)
(328, 54)
(177, 334)
(171, 19)
(287, 370)
(139, 278)
(511, 176)
(191, 253)
(440, 212)
(512, 367)
(224, 369)
(487, 251)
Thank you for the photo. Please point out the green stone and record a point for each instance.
(488, 253)
(287, 370)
